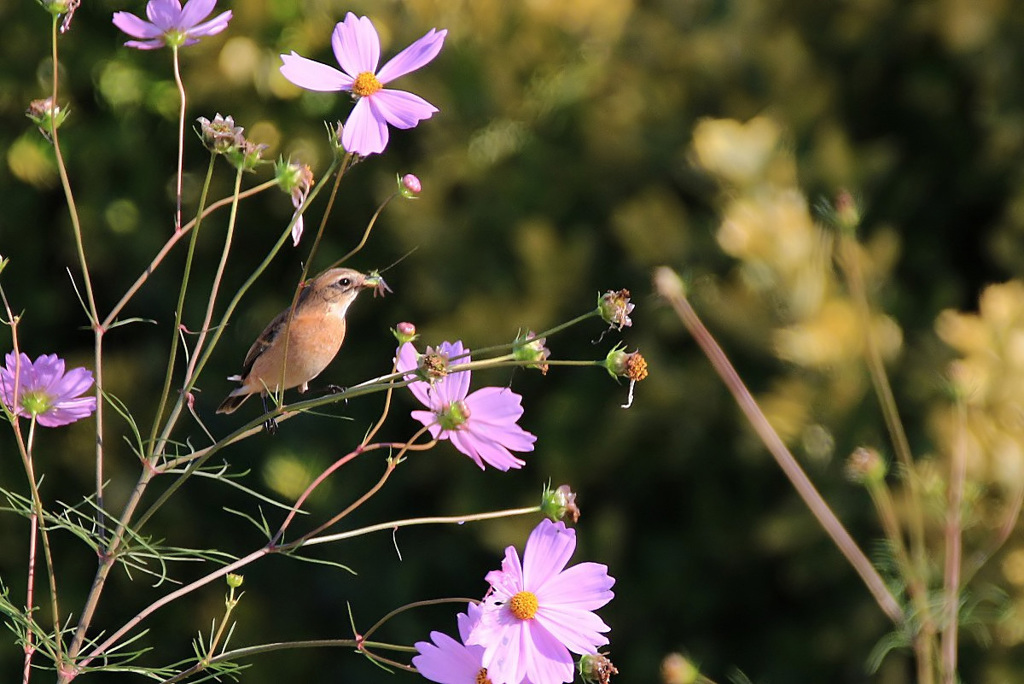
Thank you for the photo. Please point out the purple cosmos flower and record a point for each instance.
(538, 611)
(171, 25)
(45, 391)
(357, 49)
(449, 661)
(481, 425)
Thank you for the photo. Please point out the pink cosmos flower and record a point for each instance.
(481, 425)
(357, 49)
(452, 662)
(45, 391)
(171, 25)
(538, 611)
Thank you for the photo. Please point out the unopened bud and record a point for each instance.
(234, 581)
(677, 669)
(409, 186)
(404, 332)
(46, 115)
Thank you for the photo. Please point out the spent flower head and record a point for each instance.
(221, 135)
(42, 390)
(537, 610)
(46, 115)
(865, 466)
(597, 668)
(357, 48)
(615, 307)
(170, 24)
(559, 503)
(481, 425)
(297, 180)
(529, 347)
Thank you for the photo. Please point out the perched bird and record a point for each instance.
(314, 336)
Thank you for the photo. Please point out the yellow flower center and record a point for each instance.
(481, 677)
(366, 84)
(524, 605)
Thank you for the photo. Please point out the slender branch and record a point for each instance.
(670, 287)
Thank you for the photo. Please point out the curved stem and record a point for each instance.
(181, 136)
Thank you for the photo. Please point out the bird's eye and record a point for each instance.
(345, 282)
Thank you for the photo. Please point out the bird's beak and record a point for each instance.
(377, 283)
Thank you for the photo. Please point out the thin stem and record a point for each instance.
(669, 287)
(158, 259)
(154, 446)
(954, 548)
(94, 316)
(409, 522)
(181, 136)
(238, 654)
(40, 513)
(204, 329)
(30, 596)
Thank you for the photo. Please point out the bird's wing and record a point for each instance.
(263, 342)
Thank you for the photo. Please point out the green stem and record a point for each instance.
(181, 135)
(154, 446)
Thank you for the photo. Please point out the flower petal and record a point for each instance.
(578, 630)
(413, 57)
(74, 383)
(548, 549)
(401, 109)
(449, 662)
(586, 586)
(195, 11)
(311, 75)
(146, 44)
(164, 13)
(212, 27)
(549, 660)
(356, 45)
(365, 132)
(133, 26)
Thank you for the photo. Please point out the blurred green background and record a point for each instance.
(560, 165)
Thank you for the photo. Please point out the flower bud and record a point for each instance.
(404, 332)
(847, 212)
(409, 186)
(615, 307)
(677, 669)
(865, 466)
(559, 504)
(597, 668)
(234, 580)
(529, 347)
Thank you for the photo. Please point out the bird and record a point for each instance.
(278, 361)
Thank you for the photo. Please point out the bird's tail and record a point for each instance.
(232, 402)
